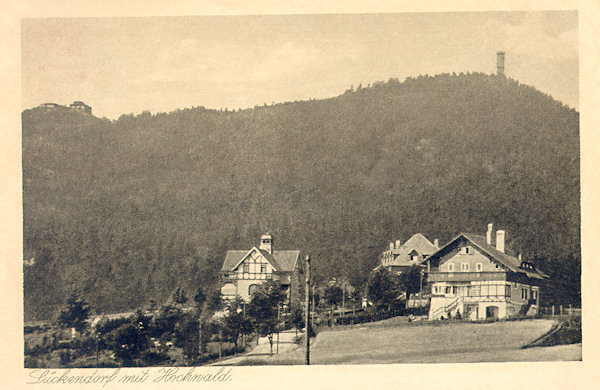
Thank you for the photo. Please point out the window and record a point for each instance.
(448, 289)
(252, 289)
(465, 250)
(485, 291)
(246, 268)
(451, 267)
(464, 267)
(476, 291)
(507, 291)
(263, 268)
(479, 267)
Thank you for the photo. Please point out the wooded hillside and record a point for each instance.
(125, 211)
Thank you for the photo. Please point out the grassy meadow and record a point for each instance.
(395, 341)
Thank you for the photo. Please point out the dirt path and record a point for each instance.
(261, 352)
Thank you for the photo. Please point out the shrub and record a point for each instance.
(32, 362)
(65, 357)
(165, 321)
(75, 313)
(128, 343)
(153, 357)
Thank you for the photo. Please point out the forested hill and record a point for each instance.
(125, 211)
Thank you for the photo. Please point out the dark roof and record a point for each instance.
(509, 261)
(79, 103)
(418, 243)
(280, 260)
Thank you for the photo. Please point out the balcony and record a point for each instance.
(436, 276)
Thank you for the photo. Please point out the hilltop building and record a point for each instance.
(476, 277)
(81, 106)
(244, 270)
(77, 105)
(413, 252)
(50, 106)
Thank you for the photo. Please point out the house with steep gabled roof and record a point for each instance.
(244, 270)
(413, 252)
(477, 278)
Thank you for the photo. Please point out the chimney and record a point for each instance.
(436, 243)
(391, 245)
(500, 63)
(488, 235)
(500, 240)
(397, 244)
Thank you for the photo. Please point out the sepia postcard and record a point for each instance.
(350, 195)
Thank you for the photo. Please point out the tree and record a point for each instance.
(235, 322)
(382, 287)
(187, 336)
(213, 301)
(152, 306)
(297, 317)
(264, 309)
(179, 296)
(206, 305)
(75, 314)
(163, 323)
(129, 341)
(199, 300)
(410, 280)
(333, 295)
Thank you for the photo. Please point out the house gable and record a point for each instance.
(466, 257)
(403, 256)
(461, 251)
(254, 262)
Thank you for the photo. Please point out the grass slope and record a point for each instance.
(429, 343)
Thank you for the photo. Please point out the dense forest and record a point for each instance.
(125, 211)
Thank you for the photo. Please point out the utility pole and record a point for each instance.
(307, 321)
(344, 298)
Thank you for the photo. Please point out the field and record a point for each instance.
(395, 341)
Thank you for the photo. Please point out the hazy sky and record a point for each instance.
(128, 65)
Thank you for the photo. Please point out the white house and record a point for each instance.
(477, 278)
(244, 270)
(413, 252)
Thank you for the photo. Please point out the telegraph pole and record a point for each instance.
(307, 320)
